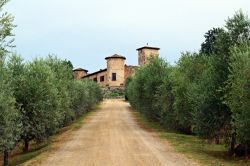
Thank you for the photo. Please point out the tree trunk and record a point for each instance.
(217, 140)
(246, 151)
(5, 158)
(26, 145)
(233, 142)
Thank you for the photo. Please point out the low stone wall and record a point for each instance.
(113, 92)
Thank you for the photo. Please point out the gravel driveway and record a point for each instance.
(113, 138)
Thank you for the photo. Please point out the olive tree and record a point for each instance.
(6, 27)
(63, 81)
(186, 75)
(238, 98)
(9, 124)
(38, 102)
(150, 92)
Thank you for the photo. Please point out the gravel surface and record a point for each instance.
(113, 138)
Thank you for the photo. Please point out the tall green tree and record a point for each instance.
(238, 27)
(63, 82)
(9, 115)
(6, 27)
(150, 92)
(208, 46)
(238, 98)
(38, 101)
(217, 46)
(9, 124)
(187, 75)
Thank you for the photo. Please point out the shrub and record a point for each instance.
(149, 91)
(47, 97)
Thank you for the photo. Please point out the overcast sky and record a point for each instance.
(86, 31)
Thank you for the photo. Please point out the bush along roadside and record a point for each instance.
(38, 98)
(206, 93)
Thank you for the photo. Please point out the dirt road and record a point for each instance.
(112, 138)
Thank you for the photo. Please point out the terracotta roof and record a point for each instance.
(80, 69)
(148, 47)
(101, 70)
(115, 56)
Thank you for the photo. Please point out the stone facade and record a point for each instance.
(129, 71)
(146, 53)
(116, 73)
(79, 73)
(115, 70)
(100, 77)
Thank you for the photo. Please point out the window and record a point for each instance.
(113, 76)
(95, 79)
(101, 78)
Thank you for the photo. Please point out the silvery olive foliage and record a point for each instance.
(207, 92)
(38, 97)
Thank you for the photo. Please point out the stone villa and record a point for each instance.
(117, 71)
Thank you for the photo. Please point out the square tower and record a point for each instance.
(146, 53)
